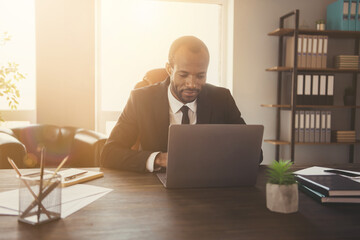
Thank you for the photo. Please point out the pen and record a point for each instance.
(74, 176)
(342, 172)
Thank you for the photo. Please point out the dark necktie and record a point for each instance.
(185, 118)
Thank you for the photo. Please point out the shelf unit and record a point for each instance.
(282, 32)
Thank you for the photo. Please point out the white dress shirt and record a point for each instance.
(175, 118)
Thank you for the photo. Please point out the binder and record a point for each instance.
(322, 90)
(323, 127)
(324, 52)
(352, 20)
(314, 51)
(289, 58)
(301, 126)
(337, 15)
(330, 90)
(300, 89)
(319, 51)
(304, 50)
(307, 100)
(328, 127)
(309, 52)
(315, 90)
(312, 126)
(357, 17)
(296, 138)
(317, 126)
(307, 126)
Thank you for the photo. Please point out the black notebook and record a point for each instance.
(330, 185)
(324, 199)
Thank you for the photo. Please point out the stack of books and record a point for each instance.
(347, 62)
(332, 188)
(344, 136)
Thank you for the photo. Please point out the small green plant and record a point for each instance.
(279, 173)
(9, 77)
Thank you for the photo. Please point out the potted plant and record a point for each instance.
(9, 76)
(281, 189)
(349, 96)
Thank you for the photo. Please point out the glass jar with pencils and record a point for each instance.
(40, 197)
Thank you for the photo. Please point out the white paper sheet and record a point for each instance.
(73, 198)
(320, 171)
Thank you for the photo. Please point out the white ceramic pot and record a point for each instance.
(282, 198)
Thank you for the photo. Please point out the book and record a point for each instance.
(73, 176)
(330, 185)
(324, 199)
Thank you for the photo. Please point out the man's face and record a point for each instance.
(188, 75)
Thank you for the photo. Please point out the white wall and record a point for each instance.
(254, 51)
(65, 62)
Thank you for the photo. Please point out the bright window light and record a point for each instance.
(17, 18)
(135, 37)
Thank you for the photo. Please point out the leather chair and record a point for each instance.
(23, 145)
(153, 76)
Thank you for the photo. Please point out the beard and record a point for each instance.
(185, 95)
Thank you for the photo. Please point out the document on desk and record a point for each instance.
(73, 198)
(315, 170)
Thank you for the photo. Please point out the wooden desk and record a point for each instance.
(140, 208)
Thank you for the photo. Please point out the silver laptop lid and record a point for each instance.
(213, 155)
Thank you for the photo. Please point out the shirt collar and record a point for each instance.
(175, 104)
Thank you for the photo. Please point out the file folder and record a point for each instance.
(307, 100)
(322, 90)
(315, 90)
(357, 16)
(312, 126)
(337, 15)
(314, 51)
(317, 126)
(319, 51)
(330, 90)
(309, 52)
(307, 126)
(352, 19)
(289, 58)
(323, 127)
(324, 53)
(300, 89)
(304, 50)
(328, 127)
(301, 126)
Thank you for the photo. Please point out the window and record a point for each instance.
(17, 18)
(135, 36)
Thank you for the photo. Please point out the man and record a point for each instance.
(150, 110)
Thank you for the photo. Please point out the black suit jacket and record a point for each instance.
(146, 115)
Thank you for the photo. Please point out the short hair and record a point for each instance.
(192, 43)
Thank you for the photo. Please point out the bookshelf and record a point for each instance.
(280, 69)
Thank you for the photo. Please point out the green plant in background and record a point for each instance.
(279, 173)
(9, 76)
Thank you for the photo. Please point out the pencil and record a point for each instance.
(42, 165)
(13, 165)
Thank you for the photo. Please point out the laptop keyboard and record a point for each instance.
(162, 178)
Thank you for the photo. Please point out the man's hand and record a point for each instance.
(161, 160)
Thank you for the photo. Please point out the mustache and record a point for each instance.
(191, 89)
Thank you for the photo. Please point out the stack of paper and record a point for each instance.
(344, 136)
(347, 62)
(73, 198)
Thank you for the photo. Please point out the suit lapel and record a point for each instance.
(162, 113)
(203, 112)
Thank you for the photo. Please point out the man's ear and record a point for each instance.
(168, 68)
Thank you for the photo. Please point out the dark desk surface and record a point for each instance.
(140, 208)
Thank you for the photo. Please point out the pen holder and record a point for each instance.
(39, 201)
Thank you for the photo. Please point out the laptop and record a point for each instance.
(212, 155)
